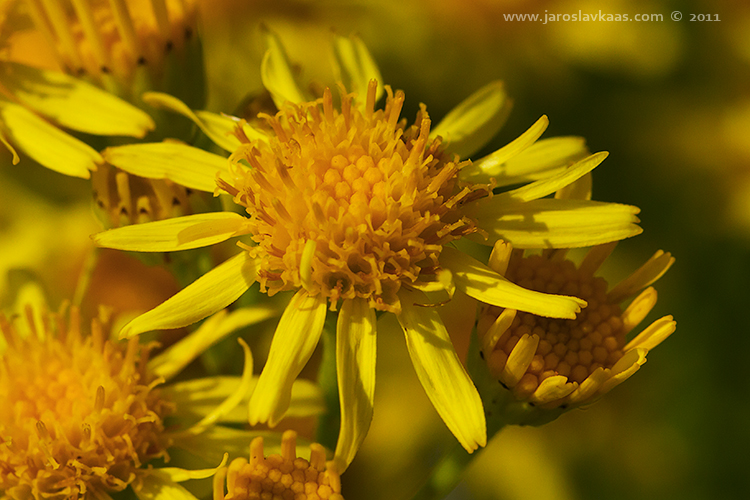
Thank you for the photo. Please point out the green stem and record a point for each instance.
(449, 471)
(446, 475)
(330, 422)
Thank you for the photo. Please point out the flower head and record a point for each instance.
(284, 476)
(562, 363)
(358, 212)
(134, 45)
(349, 203)
(29, 93)
(81, 413)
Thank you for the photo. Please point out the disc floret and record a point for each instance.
(79, 414)
(552, 362)
(283, 477)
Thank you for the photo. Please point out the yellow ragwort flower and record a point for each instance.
(282, 477)
(82, 415)
(31, 98)
(564, 363)
(356, 211)
(126, 47)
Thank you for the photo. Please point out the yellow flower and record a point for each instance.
(356, 211)
(27, 92)
(124, 49)
(284, 476)
(82, 415)
(127, 47)
(564, 363)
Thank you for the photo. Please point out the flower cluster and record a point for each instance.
(332, 197)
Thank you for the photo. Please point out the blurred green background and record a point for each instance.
(670, 100)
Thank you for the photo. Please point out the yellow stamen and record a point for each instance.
(348, 203)
(162, 17)
(282, 476)
(90, 29)
(115, 37)
(60, 24)
(124, 199)
(79, 414)
(125, 27)
(43, 25)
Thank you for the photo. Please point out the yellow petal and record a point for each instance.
(47, 144)
(551, 389)
(492, 166)
(277, 74)
(500, 257)
(653, 335)
(179, 475)
(356, 351)
(579, 189)
(595, 257)
(550, 223)
(625, 367)
(527, 160)
(15, 158)
(170, 235)
(208, 294)
(185, 165)
(231, 402)
(157, 487)
(73, 103)
(196, 398)
(442, 375)
(588, 387)
(519, 360)
(355, 66)
(549, 185)
(471, 124)
(217, 127)
(496, 331)
(293, 343)
(645, 275)
(482, 283)
(638, 309)
(176, 357)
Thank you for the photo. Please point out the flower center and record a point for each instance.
(571, 348)
(78, 414)
(348, 203)
(279, 476)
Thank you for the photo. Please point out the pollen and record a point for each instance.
(573, 348)
(377, 198)
(80, 413)
(279, 477)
